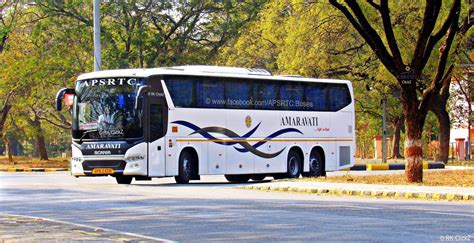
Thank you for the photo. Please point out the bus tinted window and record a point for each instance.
(291, 94)
(156, 121)
(265, 95)
(316, 95)
(181, 91)
(210, 93)
(239, 94)
(339, 97)
(234, 93)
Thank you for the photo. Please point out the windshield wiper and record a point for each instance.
(84, 134)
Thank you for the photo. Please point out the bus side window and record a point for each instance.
(156, 121)
(265, 95)
(339, 97)
(210, 93)
(291, 94)
(181, 91)
(316, 97)
(239, 94)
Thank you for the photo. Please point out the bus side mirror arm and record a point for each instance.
(140, 92)
(60, 97)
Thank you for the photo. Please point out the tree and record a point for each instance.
(9, 12)
(416, 94)
(312, 39)
(146, 33)
(45, 45)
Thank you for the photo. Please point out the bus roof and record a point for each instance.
(202, 70)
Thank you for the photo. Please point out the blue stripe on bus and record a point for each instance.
(246, 147)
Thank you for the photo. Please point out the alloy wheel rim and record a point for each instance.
(293, 166)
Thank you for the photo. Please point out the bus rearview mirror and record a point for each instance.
(140, 92)
(60, 96)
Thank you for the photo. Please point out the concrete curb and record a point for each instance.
(34, 170)
(394, 166)
(365, 193)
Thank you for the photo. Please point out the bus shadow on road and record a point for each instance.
(199, 184)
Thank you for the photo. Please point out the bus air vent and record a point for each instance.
(222, 70)
(344, 155)
(290, 76)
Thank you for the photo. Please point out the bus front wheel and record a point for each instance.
(185, 168)
(121, 179)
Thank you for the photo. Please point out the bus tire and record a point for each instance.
(316, 165)
(294, 164)
(258, 177)
(185, 168)
(121, 179)
(237, 178)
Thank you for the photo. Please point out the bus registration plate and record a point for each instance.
(102, 171)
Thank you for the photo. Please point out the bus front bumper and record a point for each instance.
(108, 165)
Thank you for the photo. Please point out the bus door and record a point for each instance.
(157, 119)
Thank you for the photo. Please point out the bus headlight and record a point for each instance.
(134, 158)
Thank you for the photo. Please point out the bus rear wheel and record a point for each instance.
(185, 168)
(121, 179)
(294, 165)
(238, 178)
(315, 165)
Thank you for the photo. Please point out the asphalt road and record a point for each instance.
(213, 210)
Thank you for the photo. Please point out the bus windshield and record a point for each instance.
(104, 109)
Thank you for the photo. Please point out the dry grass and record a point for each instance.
(26, 162)
(465, 163)
(460, 178)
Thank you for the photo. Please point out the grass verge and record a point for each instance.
(27, 162)
(458, 178)
(465, 163)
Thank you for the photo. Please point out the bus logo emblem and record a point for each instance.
(248, 121)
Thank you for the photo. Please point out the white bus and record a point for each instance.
(188, 121)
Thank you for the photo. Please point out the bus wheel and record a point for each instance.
(315, 165)
(238, 178)
(185, 168)
(294, 165)
(121, 179)
(258, 177)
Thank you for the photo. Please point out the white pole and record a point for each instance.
(97, 58)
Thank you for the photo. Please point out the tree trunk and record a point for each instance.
(444, 133)
(41, 146)
(396, 138)
(39, 137)
(414, 120)
(8, 148)
(4, 114)
(40, 143)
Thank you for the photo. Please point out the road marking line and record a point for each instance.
(91, 227)
(454, 214)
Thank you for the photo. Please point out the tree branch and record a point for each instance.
(434, 39)
(368, 33)
(374, 5)
(429, 20)
(392, 42)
